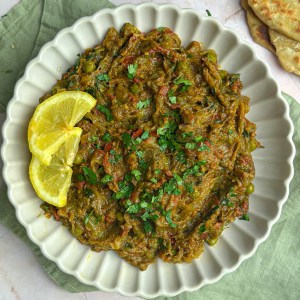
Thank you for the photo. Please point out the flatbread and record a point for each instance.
(287, 50)
(280, 15)
(258, 30)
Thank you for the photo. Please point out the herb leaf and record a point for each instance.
(87, 217)
(126, 138)
(199, 138)
(208, 12)
(245, 217)
(106, 178)
(178, 179)
(183, 81)
(148, 228)
(161, 29)
(173, 99)
(103, 77)
(227, 202)
(89, 175)
(131, 70)
(203, 147)
(143, 104)
(80, 177)
(202, 228)
(169, 220)
(145, 135)
(190, 146)
(137, 174)
(106, 137)
(105, 111)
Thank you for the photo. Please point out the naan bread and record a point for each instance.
(258, 30)
(280, 15)
(287, 50)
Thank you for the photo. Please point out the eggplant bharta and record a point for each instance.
(164, 162)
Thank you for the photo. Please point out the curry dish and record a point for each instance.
(164, 163)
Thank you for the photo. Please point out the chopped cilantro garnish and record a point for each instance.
(180, 156)
(245, 217)
(173, 99)
(169, 220)
(148, 228)
(170, 187)
(103, 77)
(137, 174)
(115, 157)
(140, 154)
(80, 177)
(203, 147)
(163, 143)
(182, 80)
(89, 175)
(126, 138)
(199, 138)
(133, 208)
(186, 83)
(153, 180)
(178, 179)
(143, 104)
(189, 187)
(186, 134)
(234, 78)
(93, 138)
(161, 130)
(230, 131)
(125, 190)
(87, 217)
(190, 146)
(88, 192)
(202, 228)
(105, 111)
(98, 219)
(145, 135)
(161, 29)
(144, 204)
(227, 202)
(232, 193)
(194, 169)
(106, 178)
(106, 137)
(157, 171)
(131, 70)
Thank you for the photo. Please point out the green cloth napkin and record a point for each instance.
(273, 272)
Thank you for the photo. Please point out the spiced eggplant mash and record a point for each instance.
(164, 162)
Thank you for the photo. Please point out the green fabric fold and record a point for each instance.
(273, 272)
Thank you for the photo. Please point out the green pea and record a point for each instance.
(89, 66)
(119, 216)
(182, 66)
(223, 74)
(212, 56)
(78, 159)
(250, 188)
(134, 89)
(253, 145)
(211, 242)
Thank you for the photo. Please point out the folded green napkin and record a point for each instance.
(273, 272)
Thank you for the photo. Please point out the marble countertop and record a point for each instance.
(21, 276)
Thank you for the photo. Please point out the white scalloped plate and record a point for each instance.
(274, 167)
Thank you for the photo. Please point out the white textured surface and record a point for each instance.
(16, 280)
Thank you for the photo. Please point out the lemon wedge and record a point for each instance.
(51, 182)
(53, 122)
(54, 141)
